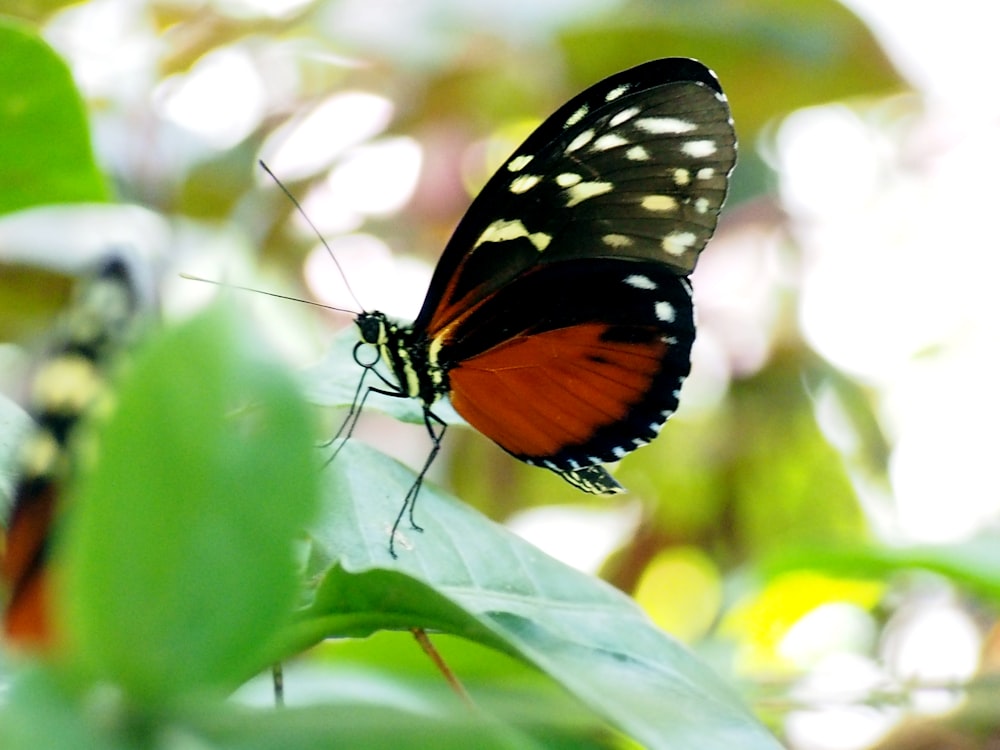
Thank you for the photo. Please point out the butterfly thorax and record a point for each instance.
(410, 355)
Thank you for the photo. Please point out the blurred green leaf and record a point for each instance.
(352, 724)
(178, 550)
(467, 575)
(45, 152)
(40, 712)
(973, 564)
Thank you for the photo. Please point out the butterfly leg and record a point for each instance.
(435, 428)
(346, 428)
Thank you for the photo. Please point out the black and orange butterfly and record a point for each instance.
(69, 383)
(559, 320)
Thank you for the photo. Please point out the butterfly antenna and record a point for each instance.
(192, 277)
(305, 216)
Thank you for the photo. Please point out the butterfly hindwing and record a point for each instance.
(573, 364)
(635, 167)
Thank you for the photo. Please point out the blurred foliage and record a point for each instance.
(748, 515)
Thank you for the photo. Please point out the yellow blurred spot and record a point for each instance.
(681, 591)
(760, 622)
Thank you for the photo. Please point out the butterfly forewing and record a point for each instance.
(635, 167)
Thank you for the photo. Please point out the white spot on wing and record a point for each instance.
(664, 125)
(624, 116)
(701, 205)
(659, 203)
(502, 230)
(616, 92)
(699, 149)
(580, 141)
(519, 162)
(574, 118)
(678, 243)
(584, 190)
(640, 282)
(566, 179)
(705, 173)
(665, 312)
(524, 183)
(616, 240)
(608, 142)
(637, 153)
(682, 176)
(619, 452)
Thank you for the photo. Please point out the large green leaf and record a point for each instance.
(467, 575)
(45, 151)
(178, 552)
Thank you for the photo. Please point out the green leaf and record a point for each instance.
(178, 553)
(973, 564)
(355, 724)
(39, 711)
(45, 151)
(469, 576)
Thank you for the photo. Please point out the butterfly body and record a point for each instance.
(559, 320)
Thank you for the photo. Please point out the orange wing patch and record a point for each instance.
(27, 621)
(536, 395)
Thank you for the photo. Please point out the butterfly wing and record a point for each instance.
(68, 384)
(636, 167)
(574, 364)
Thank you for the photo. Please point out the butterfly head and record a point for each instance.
(374, 328)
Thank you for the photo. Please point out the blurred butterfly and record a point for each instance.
(68, 385)
(559, 320)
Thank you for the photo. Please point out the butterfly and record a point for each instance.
(69, 383)
(559, 320)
